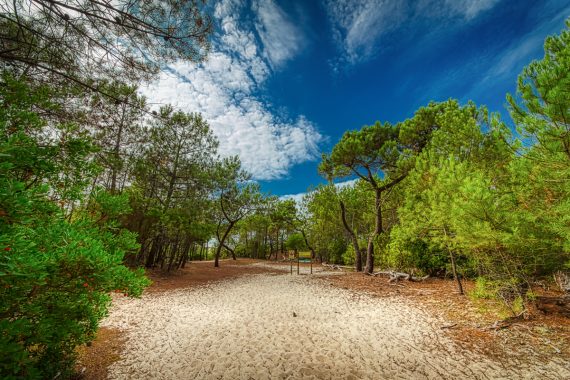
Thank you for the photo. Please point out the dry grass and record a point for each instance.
(201, 272)
(104, 350)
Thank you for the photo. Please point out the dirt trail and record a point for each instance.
(277, 326)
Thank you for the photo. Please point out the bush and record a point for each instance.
(57, 266)
(349, 257)
(295, 242)
(55, 280)
(417, 254)
(512, 293)
(334, 250)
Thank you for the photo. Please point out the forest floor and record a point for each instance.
(253, 320)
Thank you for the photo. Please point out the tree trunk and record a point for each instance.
(221, 243)
(116, 152)
(377, 231)
(184, 257)
(172, 258)
(453, 266)
(370, 255)
(270, 248)
(153, 250)
(265, 239)
(173, 177)
(231, 251)
(353, 238)
(282, 238)
(313, 254)
(454, 269)
(217, 256)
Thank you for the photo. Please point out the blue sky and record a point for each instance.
(285, 79)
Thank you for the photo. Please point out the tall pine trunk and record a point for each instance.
(377, 231)
(353, 238)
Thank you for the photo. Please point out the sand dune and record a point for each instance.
(271, 326)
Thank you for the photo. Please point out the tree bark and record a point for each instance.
(116, 152)
(231, 251)
(454, 269)
(378, 229)
(221, 243)
(281, 238)
(153, 250)
(353, 238)
(453, 266)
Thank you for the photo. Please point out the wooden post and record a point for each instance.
(311, 266)
(297, 263)
(291, 262)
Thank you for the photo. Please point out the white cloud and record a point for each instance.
(518, 54)
(469, 9)
(366, 23)
(299, 196)
(223, 89)
(359, 25)
(280, 37)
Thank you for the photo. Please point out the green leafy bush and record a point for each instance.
(59, 258)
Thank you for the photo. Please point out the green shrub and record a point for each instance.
(349, 257)
(512, 293)
(417, 254)
(57, 266)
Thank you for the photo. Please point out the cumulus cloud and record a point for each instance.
(359, 25)
(224, 89)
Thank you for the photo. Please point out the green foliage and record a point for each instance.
(506, 291)
(326, 232)
(83, 184)
(407, 253)
(540, 176)
(175, 175)
(87, 184)
(296, 242)
(237, 198)
(133, 39)
(470, 193)
(334, 250)
(363, 152)
(349, 256)
(57, 267)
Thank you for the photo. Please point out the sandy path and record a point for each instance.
(244, 328)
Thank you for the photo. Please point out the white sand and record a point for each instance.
(245, 329)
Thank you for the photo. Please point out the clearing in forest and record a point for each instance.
(278, 326)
